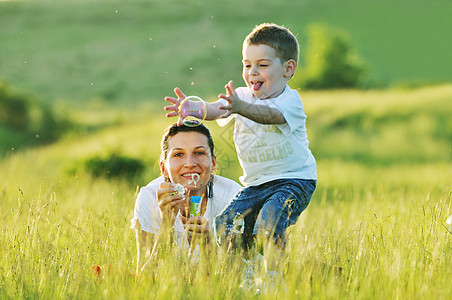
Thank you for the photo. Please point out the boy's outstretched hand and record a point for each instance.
(174, 109)
(234, 101)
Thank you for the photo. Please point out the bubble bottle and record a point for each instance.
(195, 201)
(195, 206)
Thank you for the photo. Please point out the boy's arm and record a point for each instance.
(212, 110)
(215, 110)
(256, 112)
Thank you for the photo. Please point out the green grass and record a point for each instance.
(375, 227)
(123, 52)
(384, 157)
(386, 127)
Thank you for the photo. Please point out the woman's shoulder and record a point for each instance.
(153, 186)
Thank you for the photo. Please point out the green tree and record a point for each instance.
(331, 61)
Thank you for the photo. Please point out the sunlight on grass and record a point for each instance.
(375, 227)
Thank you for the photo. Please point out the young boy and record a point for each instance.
(279, 170)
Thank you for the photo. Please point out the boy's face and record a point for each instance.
(263, 71)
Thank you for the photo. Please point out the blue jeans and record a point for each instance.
(266, 209)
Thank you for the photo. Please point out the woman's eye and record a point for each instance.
(177, 154)
(200, 153)
(263, 66)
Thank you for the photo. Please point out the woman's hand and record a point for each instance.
(174, 109)
(198, 228)
(170, 202)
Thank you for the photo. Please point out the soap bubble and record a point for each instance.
(192, 109)
(449, 223)
(238, 224)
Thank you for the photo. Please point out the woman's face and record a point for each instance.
(189, 153)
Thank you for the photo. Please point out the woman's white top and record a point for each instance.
(147, 211)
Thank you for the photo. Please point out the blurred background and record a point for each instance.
(136, 50)
(368, 71)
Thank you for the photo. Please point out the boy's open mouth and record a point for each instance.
(256, 85)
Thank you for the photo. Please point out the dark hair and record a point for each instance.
(174, 129)
(277, 37)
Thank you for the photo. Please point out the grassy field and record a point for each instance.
(375, 227)
(115, 52)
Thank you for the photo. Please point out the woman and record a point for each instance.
(187, 154)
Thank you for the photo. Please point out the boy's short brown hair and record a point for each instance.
(277, 37)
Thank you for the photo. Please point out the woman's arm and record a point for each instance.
(150, 244)
(145, 243)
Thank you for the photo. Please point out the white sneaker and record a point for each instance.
(249, 277)
(252, 274)
(273, 281)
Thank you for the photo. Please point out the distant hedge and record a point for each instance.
(27, 120)
(14, 109)
(114, 166)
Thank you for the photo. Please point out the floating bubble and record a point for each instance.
(192, 109)
(238, 224)
(449, 223)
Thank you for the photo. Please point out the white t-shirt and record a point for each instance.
(147, 211)
(268, 152)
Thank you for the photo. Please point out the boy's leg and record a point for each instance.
(236, 222)
(286, 199)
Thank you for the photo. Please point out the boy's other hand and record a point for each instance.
(234, 101)
(174, 109)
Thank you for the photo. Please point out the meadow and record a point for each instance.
(375, 227)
